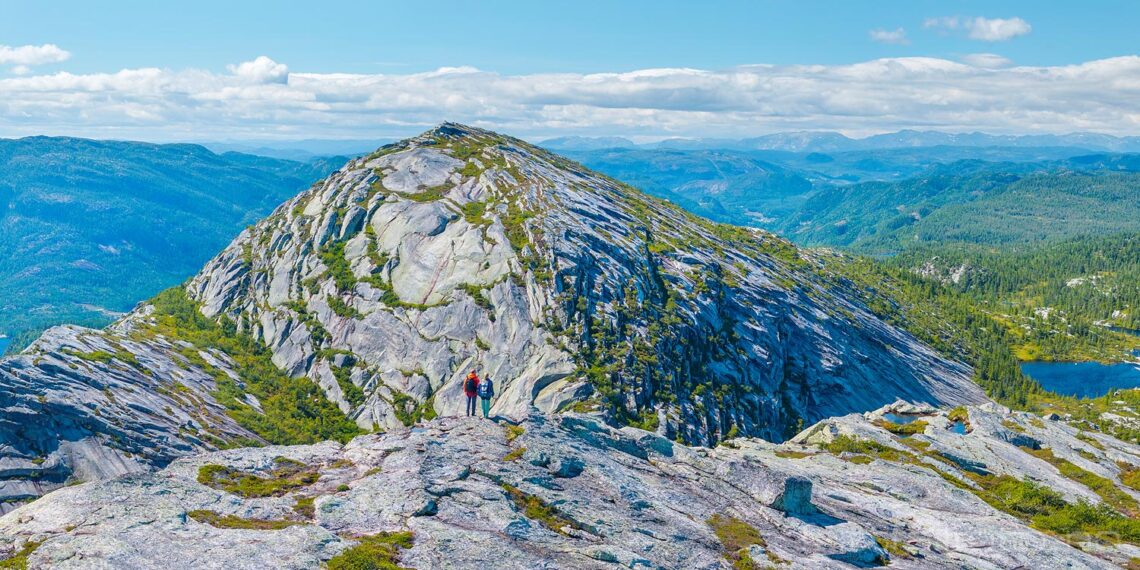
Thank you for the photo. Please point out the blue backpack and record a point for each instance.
(486, 388)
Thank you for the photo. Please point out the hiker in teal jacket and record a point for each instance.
(486, 392)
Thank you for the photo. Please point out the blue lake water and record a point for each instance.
(1083, 379)
(4, 344)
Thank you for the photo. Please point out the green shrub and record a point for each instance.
(538, 510)
(19, 560)
(376, 552)
(736, 536)
(218, 520)
(285, 476)
(304, 507)
(917, 426)
(294, 410)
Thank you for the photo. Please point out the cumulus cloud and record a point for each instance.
(997, 29)
(261, 70)
(979, 28)
(22, 58)
(262, 99)
(895, 36)
(986, 60)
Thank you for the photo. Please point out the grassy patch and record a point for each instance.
(959, 414)
(893, 547)
(862, 447)
(337, 266)
(343, 309)
(352, 393)
(1104, 488)
(1012, 425)
(295, 410)
(218, 520)
(515, 454)
(1129, 475)
(917, 426)
(736, 536)
(375, 552)
(304, 507)
(19, 560)
(792, 454)
(286, 476)
(513, 432)
(538, 510)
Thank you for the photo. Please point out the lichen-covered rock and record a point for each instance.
(473, 496)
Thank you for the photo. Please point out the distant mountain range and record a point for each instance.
(89, 228)
(824, 141)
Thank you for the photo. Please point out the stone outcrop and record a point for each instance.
(609, 498)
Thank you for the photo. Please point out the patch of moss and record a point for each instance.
(19, 560)
(218, 520)
(893, 547)
(959, 414)
(792, 454)
(343, 309)
(917, 426)
(285, 476)
(1012, 425)
(513, 432)
(538, 510)
(735, 537)
(514, 454)
(375, 552)
(304, 507)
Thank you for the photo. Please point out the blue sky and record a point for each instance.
(167, 70)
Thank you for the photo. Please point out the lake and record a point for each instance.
(1083, 379)
(4, 344)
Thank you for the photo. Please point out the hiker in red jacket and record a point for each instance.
(471, 388)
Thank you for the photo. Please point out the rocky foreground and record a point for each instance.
(567, 491)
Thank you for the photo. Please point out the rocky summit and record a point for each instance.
(671, 393)
(568, 491)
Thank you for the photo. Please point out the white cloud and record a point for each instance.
(261, 70)
(997, 29)
(979, 28)
(262, 99)
(22, 58)
(32, 55)
(986, 60)
(896, 36)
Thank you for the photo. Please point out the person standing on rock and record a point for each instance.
(486, 392)
(471, 388)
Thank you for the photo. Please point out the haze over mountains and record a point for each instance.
(823, 141)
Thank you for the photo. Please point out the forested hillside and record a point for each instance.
(89, 228)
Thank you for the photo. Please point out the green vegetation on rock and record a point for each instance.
(218, 520)
(286, 475)
(295, 410)
(376, 552)
(19, 560)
